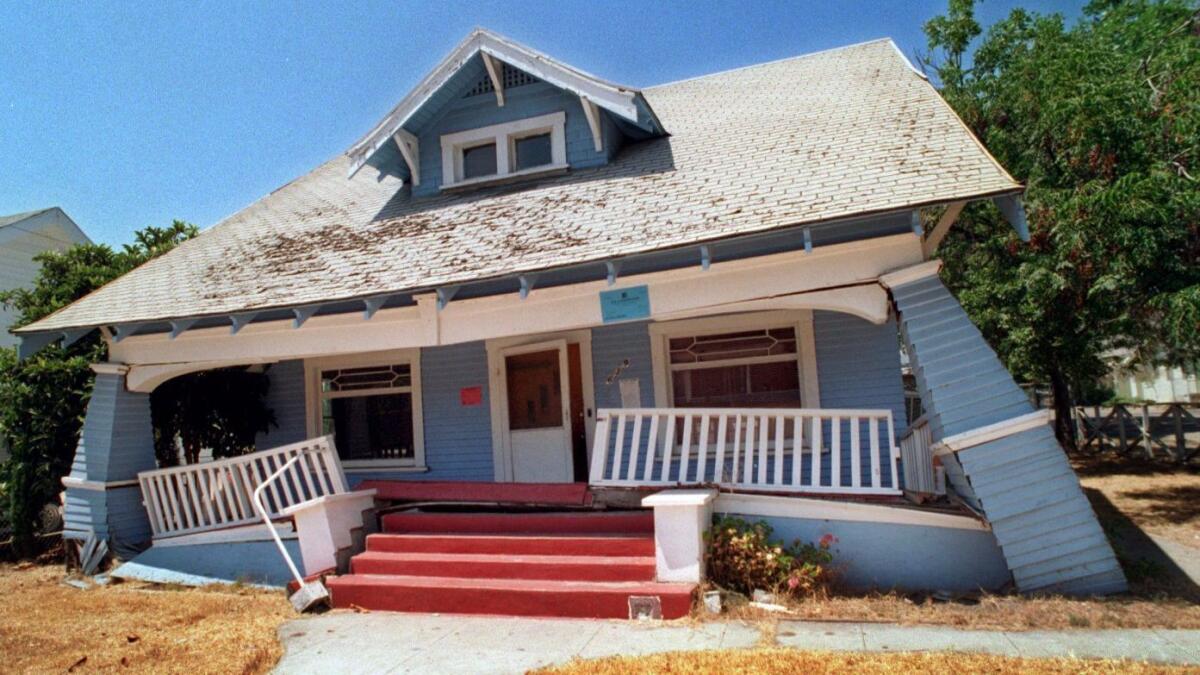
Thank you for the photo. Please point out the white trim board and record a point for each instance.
(992, 432)
(803, 278)
(505, 137)
(71, 482)
(232, 535)
(821, 509)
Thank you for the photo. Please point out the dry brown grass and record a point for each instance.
(46, 626)
(772, 661)
(1160, 499)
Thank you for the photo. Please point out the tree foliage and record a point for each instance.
(42, 399)
(1101, 122)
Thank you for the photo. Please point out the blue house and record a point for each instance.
(608, 313)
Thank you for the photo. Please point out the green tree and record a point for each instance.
(1101, 121)
(42, 399)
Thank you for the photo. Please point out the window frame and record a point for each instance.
(801, 321)
(504, 136)
(314, 398)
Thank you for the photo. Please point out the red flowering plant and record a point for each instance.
(742, 557)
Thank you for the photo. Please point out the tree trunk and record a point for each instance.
(1064, 426)
(20, 509)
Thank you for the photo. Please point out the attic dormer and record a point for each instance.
(497, 112)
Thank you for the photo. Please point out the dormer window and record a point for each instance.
(504, 151)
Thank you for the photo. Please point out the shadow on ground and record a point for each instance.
(1150, 571)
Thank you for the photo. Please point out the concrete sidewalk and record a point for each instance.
(382, 642)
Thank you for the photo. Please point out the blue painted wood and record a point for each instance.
(906, 557)
(858, 366)
(251, 562)
(458, 438)
(449, 111)
(116, 442)
(286, 398)
(1023, 483)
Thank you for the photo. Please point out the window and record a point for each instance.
(532, 151)
(479, 161)
(501, 151)
(372, 409)
(752, 360)
(746, 369)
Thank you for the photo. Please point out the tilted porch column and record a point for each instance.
(117, 442)
(1001, 456)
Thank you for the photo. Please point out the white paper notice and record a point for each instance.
(631, 393)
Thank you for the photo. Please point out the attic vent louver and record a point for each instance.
(513, 77)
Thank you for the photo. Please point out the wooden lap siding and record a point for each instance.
(858, 366)
(1023, 482)
(286, 399)
(115, 444)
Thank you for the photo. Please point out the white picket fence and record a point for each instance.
(219, 494)
(840, 451)
(916, 454)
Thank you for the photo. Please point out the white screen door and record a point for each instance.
(537, 412)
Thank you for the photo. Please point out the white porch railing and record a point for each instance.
(916, 454)
(840, 451)
(220, 494)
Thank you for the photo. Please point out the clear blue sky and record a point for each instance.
(132, 114)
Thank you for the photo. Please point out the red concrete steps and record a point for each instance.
(619, 522)
(596, 545)
(507, 597)
(569, 564)
(493, 566)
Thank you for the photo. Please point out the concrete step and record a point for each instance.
(507, 597)
(613, 522)
(505, 566)
(570, 545)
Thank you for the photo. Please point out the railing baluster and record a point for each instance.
(797, 451)
(168, 502)
(668, 450)
(815, 479)
(702, 457)
(873, 439)
(634, 442)
(835, 452)
(187, 500)
(891, 440)
(763, 448)
(779, 425)
(652, 452)
(600, 448)
(635, 457)
(719, 461)
(685, 449)
(737, 448)
(855, 453)
(618, 447)
(748, 452)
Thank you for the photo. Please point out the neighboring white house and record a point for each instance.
(23, 236)
(1157, 384)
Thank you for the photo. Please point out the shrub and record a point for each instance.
(742, 557)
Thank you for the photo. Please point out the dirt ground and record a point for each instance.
(1160, 499)
(46, 626)
(1130, 499)
(786, 661)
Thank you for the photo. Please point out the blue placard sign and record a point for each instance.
(624, 304)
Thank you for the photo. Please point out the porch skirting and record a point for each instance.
(117, 442)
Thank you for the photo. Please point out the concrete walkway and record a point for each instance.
(381, 642)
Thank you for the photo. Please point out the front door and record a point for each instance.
(538, 389)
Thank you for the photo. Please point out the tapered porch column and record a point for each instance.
(117, 442)
(1000, 454)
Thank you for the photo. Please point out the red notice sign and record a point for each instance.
(470, 395)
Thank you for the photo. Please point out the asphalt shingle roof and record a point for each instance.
(834, 134)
